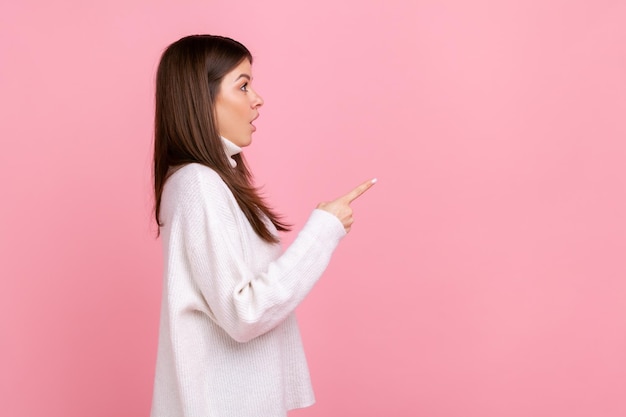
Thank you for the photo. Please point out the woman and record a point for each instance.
(229, 344)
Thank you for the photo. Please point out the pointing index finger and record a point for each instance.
(358, 191)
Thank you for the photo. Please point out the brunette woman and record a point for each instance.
(229, 344)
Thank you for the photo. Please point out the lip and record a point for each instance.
(253, 126)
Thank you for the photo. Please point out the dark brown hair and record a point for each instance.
(185, 128)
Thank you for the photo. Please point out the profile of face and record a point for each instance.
(237, 105)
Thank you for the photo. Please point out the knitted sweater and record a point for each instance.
(229, 344)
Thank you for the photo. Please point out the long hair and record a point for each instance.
(185, 127)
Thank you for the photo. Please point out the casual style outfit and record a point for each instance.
(229, 344)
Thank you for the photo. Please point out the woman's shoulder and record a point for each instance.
(195, 191)
(194, 173)
(195, 178)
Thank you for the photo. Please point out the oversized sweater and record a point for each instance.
(229, 344)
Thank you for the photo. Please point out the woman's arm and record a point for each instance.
(245, 303)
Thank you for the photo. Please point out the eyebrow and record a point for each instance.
(243, 76)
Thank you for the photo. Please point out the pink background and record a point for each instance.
(485, 275)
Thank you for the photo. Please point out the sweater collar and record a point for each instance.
(230, 149)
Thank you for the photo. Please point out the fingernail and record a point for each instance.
(374, 180)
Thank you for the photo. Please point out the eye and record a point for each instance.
(244, 87)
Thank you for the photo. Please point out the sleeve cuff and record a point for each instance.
(325, 227)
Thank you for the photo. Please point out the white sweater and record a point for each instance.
(229, 344)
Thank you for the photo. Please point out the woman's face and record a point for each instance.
(237, 105)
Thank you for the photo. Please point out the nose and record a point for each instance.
(257, 101)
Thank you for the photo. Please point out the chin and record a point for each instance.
(245, 142)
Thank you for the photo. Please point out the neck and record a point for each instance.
(231, 150)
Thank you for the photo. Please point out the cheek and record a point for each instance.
(233, 112)
(227, 116)
(244, 109)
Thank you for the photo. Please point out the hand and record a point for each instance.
(341, 206)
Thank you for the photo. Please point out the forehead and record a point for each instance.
(244, 68)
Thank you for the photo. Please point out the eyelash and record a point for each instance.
(244, 87)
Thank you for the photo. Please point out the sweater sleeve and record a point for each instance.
(247, 303)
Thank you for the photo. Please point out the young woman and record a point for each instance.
(229, 343)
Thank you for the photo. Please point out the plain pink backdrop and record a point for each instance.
(485, 275)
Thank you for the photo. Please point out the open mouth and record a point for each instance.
(253, 126)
